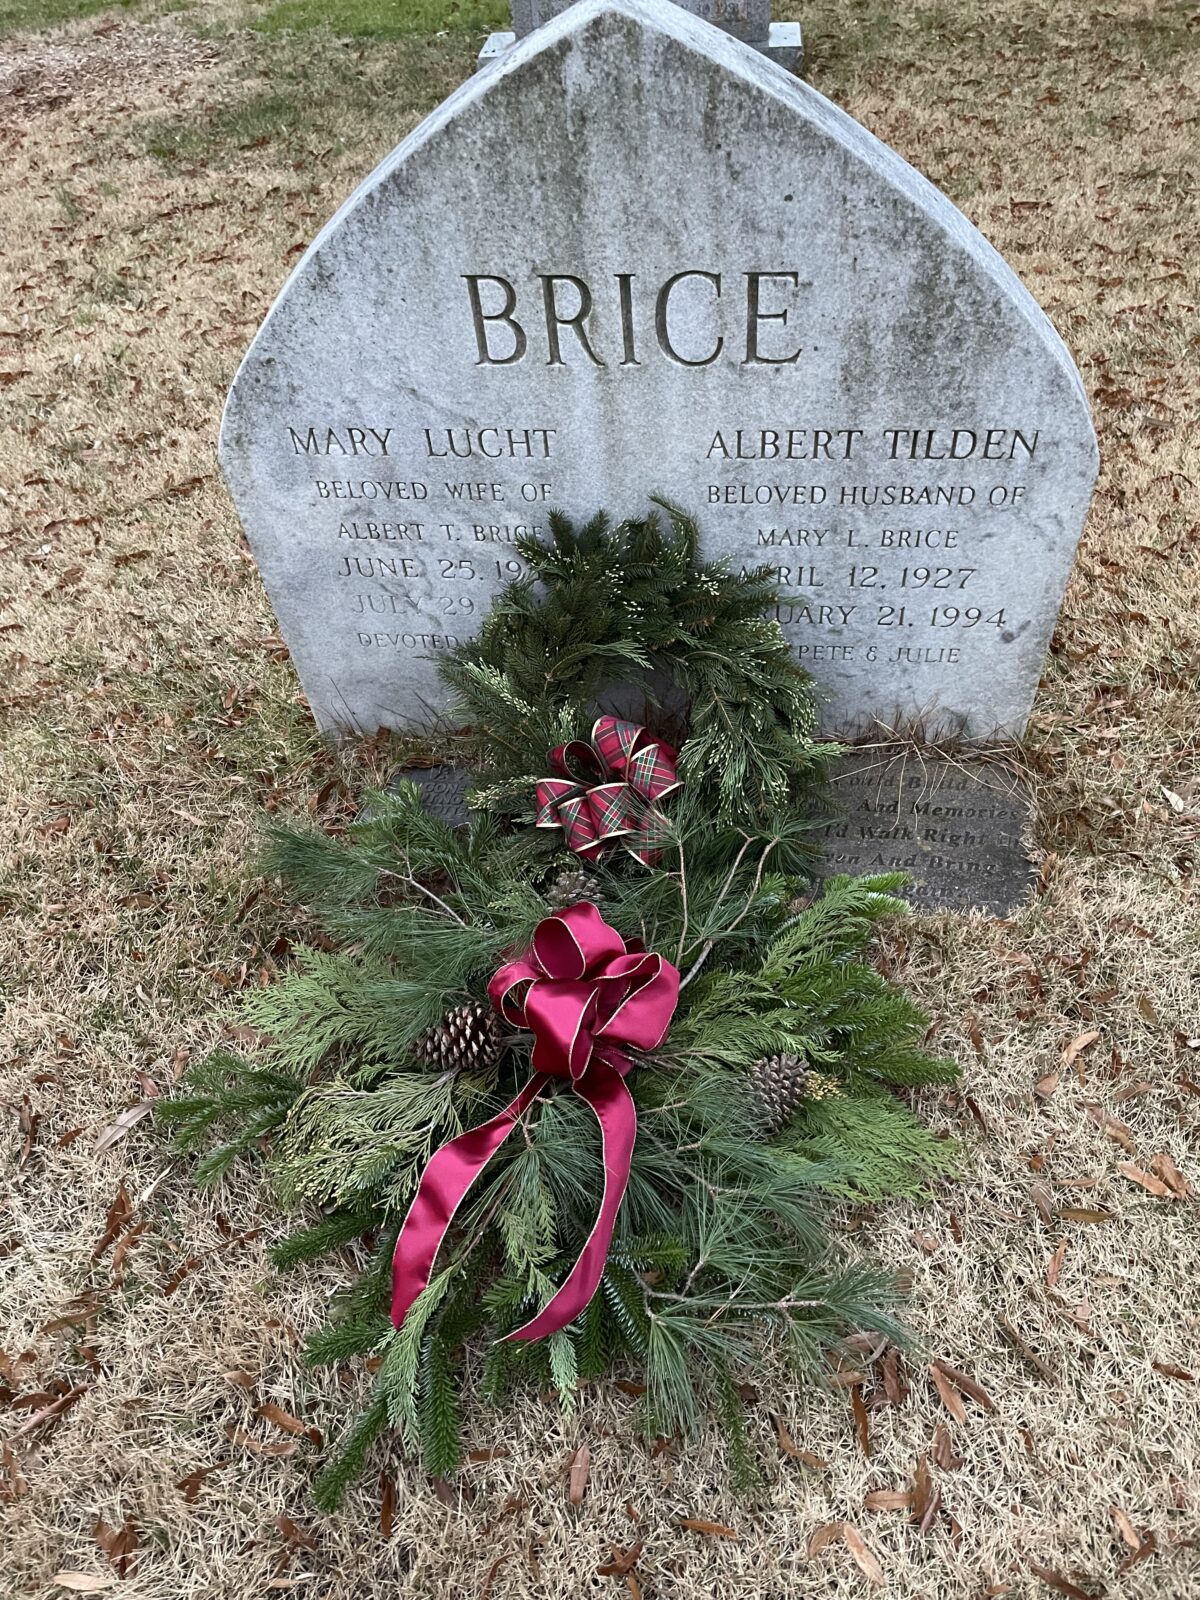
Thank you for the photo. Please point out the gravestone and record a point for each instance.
(954, 826)
(748, 20)
(635, 256)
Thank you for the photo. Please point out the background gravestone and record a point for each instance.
(748, 20)
(634, 256)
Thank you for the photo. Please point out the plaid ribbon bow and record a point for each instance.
(605, 790)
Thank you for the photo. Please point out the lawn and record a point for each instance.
(163, 169)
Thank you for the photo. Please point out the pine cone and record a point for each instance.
(572, 885)
(777, 1086)
(467, 1037)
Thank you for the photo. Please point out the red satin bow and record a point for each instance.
(584, 993)
(625, 771)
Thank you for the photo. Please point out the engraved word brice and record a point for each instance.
(757, 313)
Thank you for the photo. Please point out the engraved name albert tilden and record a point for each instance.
(759, 312)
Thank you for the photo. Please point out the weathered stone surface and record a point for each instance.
(635, 256)
(954, 825)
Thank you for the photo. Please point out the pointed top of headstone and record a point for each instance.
(634, 256)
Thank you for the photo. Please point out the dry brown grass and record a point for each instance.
(149, 717)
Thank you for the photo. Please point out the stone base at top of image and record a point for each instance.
(954, 825)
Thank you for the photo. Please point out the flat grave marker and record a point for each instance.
(443, 790)
(955, 825)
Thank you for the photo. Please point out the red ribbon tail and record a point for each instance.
(605, 1090)
(443, 1188)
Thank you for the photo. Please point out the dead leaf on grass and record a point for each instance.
(1147, 1548)
(948, 1395)
(895, 1382)
(294, 1533)
(387, 1503)
(273, 1412)
(715, 1530)
(192, 1483)
(1126, 1528)
(888, 1500)
(580, 1463)
(53, 1411)
(119, 1213)
(260, 1447)
(13, 1485)
(867, 1563)
(28, 1122)
(789, 1447)
(1027, 1354)
(1166, 1169)
(1057, 1581)
(1146, 1180)
(118, 1544)
(1055, 1265)
(1170, 1370)
(966, 1385)
(943, 1449)
(83, 1582)
(862, 1426)
(1112, 1126)
(129, 1118)
(926, 1494)
(623, 1561)
(1080, 1043)
(124, 1245)
(490, 1577)
(820, 1538)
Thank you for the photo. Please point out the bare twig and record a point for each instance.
(412, 883)
(708, 948)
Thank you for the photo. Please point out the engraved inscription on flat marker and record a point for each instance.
(635, 256)
(955, 826)
(443, 791)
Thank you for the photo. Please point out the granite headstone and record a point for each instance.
(636, 256)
